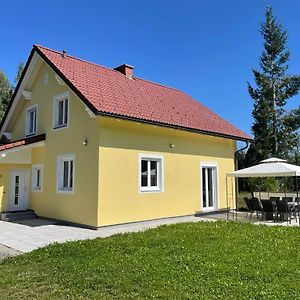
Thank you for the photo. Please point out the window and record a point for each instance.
(61, 110)
(65, 173)
(37, 178)
(31, 120)
(150, 173)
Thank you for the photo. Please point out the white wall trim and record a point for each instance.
(20, 91)
(160, 173)
(33, 168)
(61, 158)
(26, 120)
(59, 80)
(57, 98)
(26, 94)
(211, 164)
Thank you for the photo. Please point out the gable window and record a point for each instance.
(31, 120)
(37, 178)
(61, 111)
(150, 173)
(65, 173)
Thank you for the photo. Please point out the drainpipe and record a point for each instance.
(236, 178)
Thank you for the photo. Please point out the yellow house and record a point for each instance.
(97, 146)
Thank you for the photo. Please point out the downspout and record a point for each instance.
(236, 178)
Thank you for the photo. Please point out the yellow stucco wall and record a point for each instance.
(82, 205)
(121, 142)
(106, 170)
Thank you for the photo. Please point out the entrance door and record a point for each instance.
(18, 194)
(209, 188)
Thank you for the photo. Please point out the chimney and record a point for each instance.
(125, 69)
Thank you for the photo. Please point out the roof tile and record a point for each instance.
(109, 91)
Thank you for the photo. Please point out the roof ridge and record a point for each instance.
(107, 68)
(79, 59)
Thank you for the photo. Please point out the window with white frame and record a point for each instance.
(65, 173)
(31, 120)
(150, 173)
(61, 110)
(37, 178)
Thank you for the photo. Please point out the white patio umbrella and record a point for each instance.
(271, 167)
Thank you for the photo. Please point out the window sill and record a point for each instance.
(30, 134)
(60, 126)
(142, 190)
(65, 191)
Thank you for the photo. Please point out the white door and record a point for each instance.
(209, 188)
(18, 193)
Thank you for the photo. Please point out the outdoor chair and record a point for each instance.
(287, 199)
(250, 206)
(274, 199)
(269, 209)
(283, 210)
(294, 208)
(256, 206)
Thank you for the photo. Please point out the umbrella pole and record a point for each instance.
(297, 189)
(226, 186)
(236, 196)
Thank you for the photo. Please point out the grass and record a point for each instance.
(218, 260)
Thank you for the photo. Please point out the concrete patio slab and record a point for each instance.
(28, 235)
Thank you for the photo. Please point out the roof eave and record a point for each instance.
(133, 119)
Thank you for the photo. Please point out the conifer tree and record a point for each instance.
(274, 128)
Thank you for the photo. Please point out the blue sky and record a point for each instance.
(205, 48)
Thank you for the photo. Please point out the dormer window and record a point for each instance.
(61, 111)
(31, 121)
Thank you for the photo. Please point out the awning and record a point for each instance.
(272, 167)
(19, 152)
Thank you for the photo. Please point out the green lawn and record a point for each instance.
(185, 261)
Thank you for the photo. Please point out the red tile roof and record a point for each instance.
(23, 142)
(107, 91)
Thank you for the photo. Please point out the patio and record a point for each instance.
(278, 208)
(244, 217)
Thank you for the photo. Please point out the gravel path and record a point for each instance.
(6, 252)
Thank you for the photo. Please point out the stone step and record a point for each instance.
(17, 215)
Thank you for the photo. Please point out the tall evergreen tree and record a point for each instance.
(274, 128)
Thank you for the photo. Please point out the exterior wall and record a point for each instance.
(106, 170)
(121, 142)
(82, 205)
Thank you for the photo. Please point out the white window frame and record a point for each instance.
(60, 173)
(27, 120)
(56, 100)
(34, 170)
(160, 173)
(215, 165)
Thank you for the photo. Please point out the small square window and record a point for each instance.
(37, 178)
(151, 173)
(65, 173)
(31, 121)
(61, 111)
